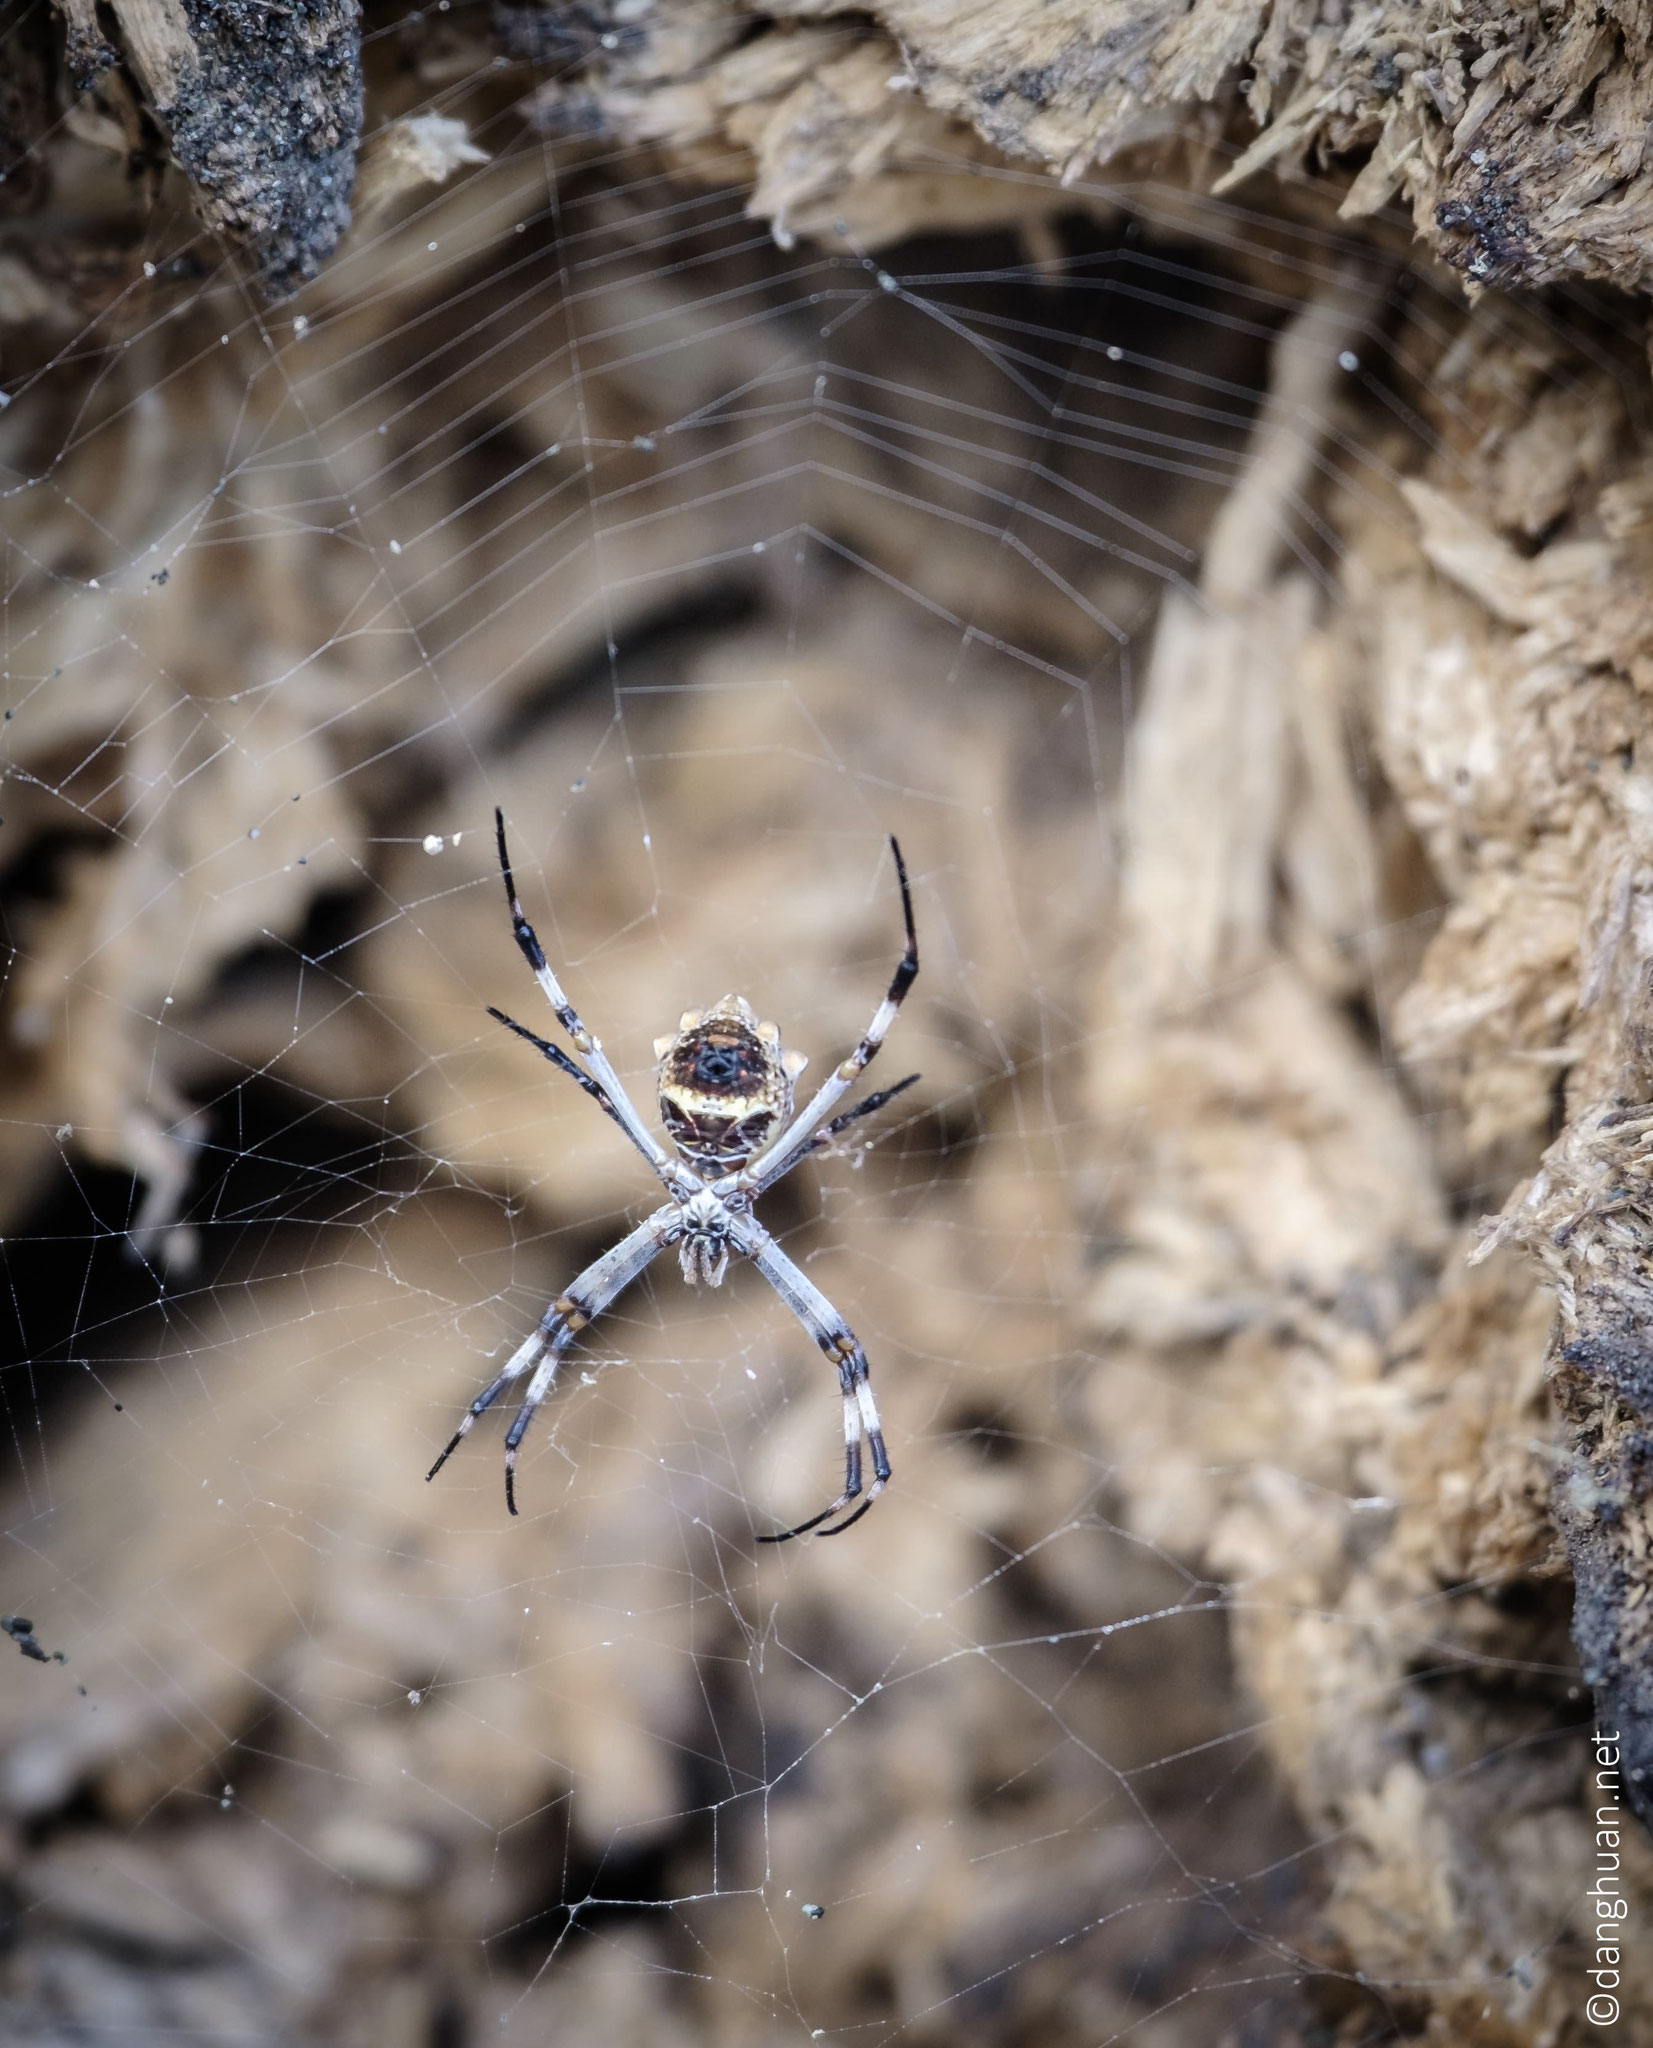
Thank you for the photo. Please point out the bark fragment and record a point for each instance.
(263, 110)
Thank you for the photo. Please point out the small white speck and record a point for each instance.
(396, 547)
(223, 341)
(414, 1698)
(1348, 360)
(91, 583)
(64, 1133)
(886, 283)
(648, 842)
(431, 246)
(750, 1374)
(166, 1002)
(432, 842)
(611, 41)
(1115, 353)
(253, 834)
(644, 441)
(760, 547)
(149, 270)
(301, 327)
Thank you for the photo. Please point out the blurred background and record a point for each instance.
(1203, 1676)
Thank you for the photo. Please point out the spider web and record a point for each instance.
(712, 562)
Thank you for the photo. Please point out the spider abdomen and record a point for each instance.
(725, 1085)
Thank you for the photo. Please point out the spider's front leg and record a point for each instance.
(573, 1310)
(841, 1345)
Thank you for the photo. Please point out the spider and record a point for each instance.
(725, 1092)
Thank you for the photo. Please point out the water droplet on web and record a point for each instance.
(1348, 360)
(414, 1698)
(433, 842)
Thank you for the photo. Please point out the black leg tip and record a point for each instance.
(849, 1521)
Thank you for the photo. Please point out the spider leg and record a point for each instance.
(793, 1143)
(578, 1305)
(819, 1140)
(520, 1360)
(560, 1059)
(676, 1177)
(840, 1344)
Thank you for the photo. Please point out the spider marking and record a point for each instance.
(725, 1087)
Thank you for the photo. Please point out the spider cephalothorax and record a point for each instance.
(725, 1085)
(726, 1096)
